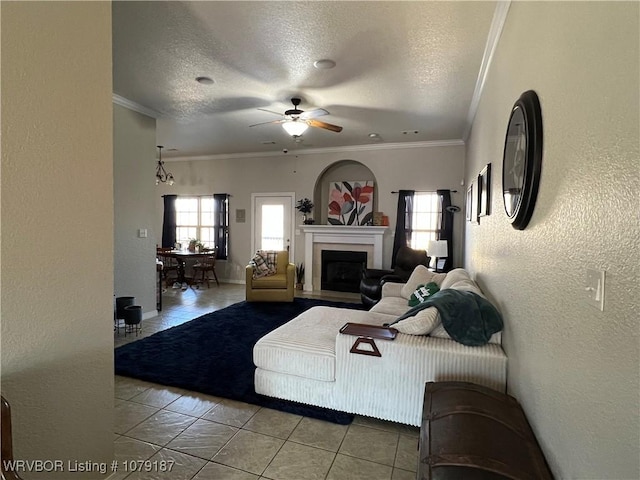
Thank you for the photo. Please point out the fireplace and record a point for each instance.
(342, 270)
(335, 237)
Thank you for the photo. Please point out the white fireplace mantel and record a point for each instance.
(349, 235)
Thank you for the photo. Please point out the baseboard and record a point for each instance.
(151, 314)
(229, 280)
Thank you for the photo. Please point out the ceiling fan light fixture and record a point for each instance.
(295, 128)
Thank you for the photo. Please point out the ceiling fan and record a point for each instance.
(296, 121)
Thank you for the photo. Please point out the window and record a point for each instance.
(273, 227)
(425, 219)
(204, 218)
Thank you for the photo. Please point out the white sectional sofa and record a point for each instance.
(307, 360)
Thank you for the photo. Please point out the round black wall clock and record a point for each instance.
(522, 159)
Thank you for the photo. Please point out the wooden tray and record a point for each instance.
(370, 331)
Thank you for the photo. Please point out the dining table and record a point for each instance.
(182, 256)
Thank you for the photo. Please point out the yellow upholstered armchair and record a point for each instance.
(272, 288)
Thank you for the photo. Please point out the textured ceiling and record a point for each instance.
(400, 66)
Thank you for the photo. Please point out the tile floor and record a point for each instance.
(210, 438)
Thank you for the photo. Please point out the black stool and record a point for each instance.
(118, 314)
(132, 319)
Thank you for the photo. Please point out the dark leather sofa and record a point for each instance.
(407, 259)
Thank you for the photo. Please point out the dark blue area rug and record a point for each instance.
(213, 354)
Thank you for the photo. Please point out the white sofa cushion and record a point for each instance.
(306, 345)
(420, 324)
(459, 279)
(394, 306)
(421, 275)
(455, 275)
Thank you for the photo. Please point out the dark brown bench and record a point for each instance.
(472, 432)
(7, 442)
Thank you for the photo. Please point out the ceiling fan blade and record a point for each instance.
(264, 123)
(318, 112)
(326, 126)
(270, 111)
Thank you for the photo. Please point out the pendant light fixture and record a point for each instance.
(161, 174)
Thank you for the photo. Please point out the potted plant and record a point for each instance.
(195, 245)
(299, 276)
(305, 206)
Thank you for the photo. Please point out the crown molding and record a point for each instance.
(136, 107)
(495, 31)
(314, 151)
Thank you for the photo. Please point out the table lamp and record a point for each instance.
(438, 249)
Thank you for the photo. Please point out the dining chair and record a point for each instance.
(205, 265)
(169, 265)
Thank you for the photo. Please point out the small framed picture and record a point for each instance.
(240, 215)
(469, 203)
(484, 191)
(440, 264)
(472, 203)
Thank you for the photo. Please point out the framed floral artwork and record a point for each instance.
(351, 202)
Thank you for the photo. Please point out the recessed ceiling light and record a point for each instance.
(374, 135)
(324, 64)
(204, 80)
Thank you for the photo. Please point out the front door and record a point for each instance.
(272, 221)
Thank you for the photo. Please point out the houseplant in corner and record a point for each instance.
(299, 276)
(305, 206)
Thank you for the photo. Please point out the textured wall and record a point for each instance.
(424, 168)
(57, 233)
(574, 368)
(134, 193)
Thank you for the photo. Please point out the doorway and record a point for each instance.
(272, 226)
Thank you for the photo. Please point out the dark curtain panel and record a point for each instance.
(403, 222)
(221, 228)
(445, 231)
(169, 221)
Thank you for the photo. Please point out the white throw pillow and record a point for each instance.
(467, 286)
(420, 276)
(420, 324)
(440, 332)
(453, 276)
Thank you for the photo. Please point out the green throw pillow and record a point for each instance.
(422, 293)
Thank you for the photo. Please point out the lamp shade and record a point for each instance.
(295, 128)
(438, 248)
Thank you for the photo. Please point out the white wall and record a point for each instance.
(419, 168)
(57, 233)
(135, 192)
(574, 368)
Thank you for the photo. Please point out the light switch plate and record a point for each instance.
(595, 288)
(142, 233)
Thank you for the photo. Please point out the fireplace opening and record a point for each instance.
(342, 270)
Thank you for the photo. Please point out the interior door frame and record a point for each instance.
(292, 200)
